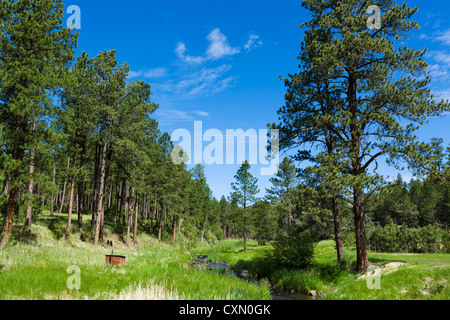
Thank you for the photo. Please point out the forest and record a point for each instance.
(82, 152)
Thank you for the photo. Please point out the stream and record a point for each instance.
(223, 268)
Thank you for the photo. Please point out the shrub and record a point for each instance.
(394, 238)
(294, 249)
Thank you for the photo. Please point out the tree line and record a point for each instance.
(78, 138)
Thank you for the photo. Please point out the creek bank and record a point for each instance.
(201, 262)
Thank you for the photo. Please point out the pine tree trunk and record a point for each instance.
(31, 184)
(80, 205)
(337, 231)
(110, 194)
(100, 194)
(72, 188)
(103, 210)
(180, 221)
(204, 227)
(130, 217)
(18, 154)
(124, 201)
(153, 214)
(6, 187)
(174, 227)
(160, 225)
(95, 191)
(64, 188)
(362, 261)
(53, 196)
(136, 214)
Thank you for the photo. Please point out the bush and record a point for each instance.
(394, 238)
(294, 249)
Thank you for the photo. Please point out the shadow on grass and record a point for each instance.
(313, 277)
(23, 235)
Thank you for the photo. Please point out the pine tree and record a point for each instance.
(35, 51)
(361, 66)
(245, 190)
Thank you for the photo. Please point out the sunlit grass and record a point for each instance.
(423, 276)
(37, 269)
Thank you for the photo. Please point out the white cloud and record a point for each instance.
(219, 47)
(201, 113)
(442, 94)
(204, 81)
(438, 72)
(181, 53)
(150, 74)
(443, 37)
(174, 115)
(252, 42)
(441, 56)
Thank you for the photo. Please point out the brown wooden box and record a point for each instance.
(115, 260)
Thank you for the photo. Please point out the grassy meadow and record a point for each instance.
(34, 266)
(415, 276)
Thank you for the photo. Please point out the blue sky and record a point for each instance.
(219, 62)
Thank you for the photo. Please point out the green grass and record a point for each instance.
(423, 276)
(34, 267)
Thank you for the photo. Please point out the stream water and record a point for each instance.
(223, 268)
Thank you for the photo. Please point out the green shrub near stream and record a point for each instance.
(421, 276)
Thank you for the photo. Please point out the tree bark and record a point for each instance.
(18, 154)
(72, 188)
(64, 188)
(130, 217)
(160, 224)
(174, 227)
(337, 231)
(31, 184)
(204, 227)
(53, 196)
(124, 201)
(362, 261)
(100, 195)
(136, 214)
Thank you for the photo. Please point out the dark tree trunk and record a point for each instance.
(72, 188)
(31, 184)
(337, 231)
(64, 188)
(136, 214)
(53, 197)
(18, 154)
(362, 261)
(160, 225)
(130, 217)
(101, 194)
(124, 201)
(174, 227)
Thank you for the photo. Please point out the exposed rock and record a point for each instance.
(196, 264)
(313, 293)
(243, 274)
(377, 271)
